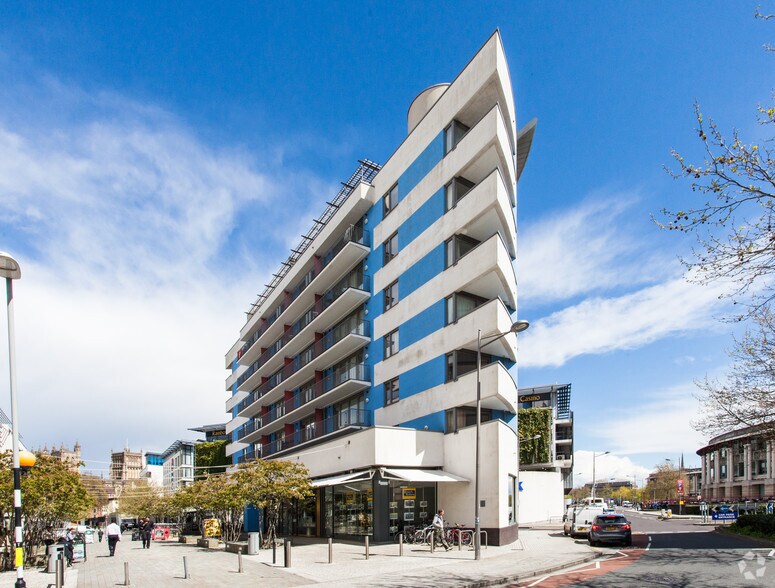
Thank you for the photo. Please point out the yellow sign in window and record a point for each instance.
(409, 493)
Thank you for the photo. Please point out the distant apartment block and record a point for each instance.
(359, 358)
(178, 465)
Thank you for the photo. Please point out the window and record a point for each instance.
(307, 391)
(457, 248)
(391, 295)
(460, 304)
(390, 200)
(464, 416)
(452, 135)
(307, 355)
(463, 361)
(455, 190)
(391, 343)
(391, 391)
(390, 248)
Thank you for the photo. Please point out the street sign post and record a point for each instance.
(724, 512)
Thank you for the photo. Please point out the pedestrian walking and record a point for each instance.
(69, 540)
(114, 536)
(100, 534)
(147, 532)
(438, 529)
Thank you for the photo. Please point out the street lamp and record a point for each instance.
(10, 270)
(594, 457)
(517, 327)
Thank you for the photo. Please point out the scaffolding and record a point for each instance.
(363, 174)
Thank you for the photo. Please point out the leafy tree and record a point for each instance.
(225, 499)
(746, 396)
(52, 494)
(270, 484)
(663, 483)
(141, 499)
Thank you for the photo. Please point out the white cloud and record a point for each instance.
(138, 244)
(586, 249)
(607, 467)
(601, 325)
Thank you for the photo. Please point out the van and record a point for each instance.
(583, 517)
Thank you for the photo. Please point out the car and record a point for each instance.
(626, 504)
(610, 528)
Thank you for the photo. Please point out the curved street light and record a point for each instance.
(10, 270)
(594, 457)
(516, 327)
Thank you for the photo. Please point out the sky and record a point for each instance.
(159, 160)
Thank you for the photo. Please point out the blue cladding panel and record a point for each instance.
(434, 422)
(420, 167)
(422, 325)
(431, 211)
(423, 271)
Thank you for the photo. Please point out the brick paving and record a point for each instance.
(162, 565)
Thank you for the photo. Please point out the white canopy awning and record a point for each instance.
(342, 478)
(412, 475)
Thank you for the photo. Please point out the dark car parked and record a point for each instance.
(613, 528)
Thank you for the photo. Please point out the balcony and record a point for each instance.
(338, 301)
(335, 345)
(355, 242)
(248, 456)
(329, 390)
(352, 418)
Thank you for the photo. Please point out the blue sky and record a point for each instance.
(158, 161)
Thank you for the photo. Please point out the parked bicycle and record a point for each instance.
(458, 533)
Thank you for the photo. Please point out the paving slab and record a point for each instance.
(537, 551)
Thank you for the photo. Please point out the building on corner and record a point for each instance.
(359, 358)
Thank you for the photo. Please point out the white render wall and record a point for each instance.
(542, 498)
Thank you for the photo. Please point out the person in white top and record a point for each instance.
(438, 529)
(114, 536)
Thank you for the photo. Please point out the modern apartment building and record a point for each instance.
(359, 358)
(178, 466)
(555, 399)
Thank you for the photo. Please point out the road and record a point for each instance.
(675, 554)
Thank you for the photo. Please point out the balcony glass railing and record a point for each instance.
(353, 234)
(352, 280)
(329, 340)
(338, 422)
(359, 372)
(249, 455)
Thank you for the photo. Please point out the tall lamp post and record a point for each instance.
(517, 327)
(594, 457)
(10, 270)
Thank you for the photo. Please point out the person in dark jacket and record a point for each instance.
(147, 532)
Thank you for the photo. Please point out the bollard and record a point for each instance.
(239, 560)
(126, 574)
(432, 537)
(60, 573)
(186, 575)
(274, 552)
(330, 550)
(366, 542)
(287, 553)
(459, 540)
(400, 544)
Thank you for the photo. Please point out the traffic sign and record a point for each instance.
(724, 512)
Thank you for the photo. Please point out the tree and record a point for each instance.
(225, 499)
(270, 484)
(141, 499)
(746, 396)
(663, 483)
(734, 226)
(52, 495)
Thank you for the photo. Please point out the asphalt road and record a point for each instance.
(676, 554)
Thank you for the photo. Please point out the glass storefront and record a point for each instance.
(349, 508)
(412, 504)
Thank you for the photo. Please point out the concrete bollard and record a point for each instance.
(400, 544)
(126, 574)
(274, 552)
(186, 575)
(432, 537)
(239, 560)
(366, 543)
(330, 550)
(60, 573)
(287, 553)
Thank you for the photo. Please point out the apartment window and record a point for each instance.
(391, 295)
(452, 135)
(307, 391)
(463, 361)
(457, 247)
(460, 304)
(723, 471)
(390, 248)
(455, 190)
(464, 416)
(390, 200)
(391, 391)
(307, 355)
(391, 343)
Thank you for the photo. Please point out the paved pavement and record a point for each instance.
(537, 552)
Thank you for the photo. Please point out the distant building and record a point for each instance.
(213, 432)
(178, 465)
(555, 398)
(153, 469)
(608, 485)
(72, 458)
(125, 465)
(739, 465)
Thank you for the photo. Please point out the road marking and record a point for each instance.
(771, 553)
(649, 538)
(648, 546)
